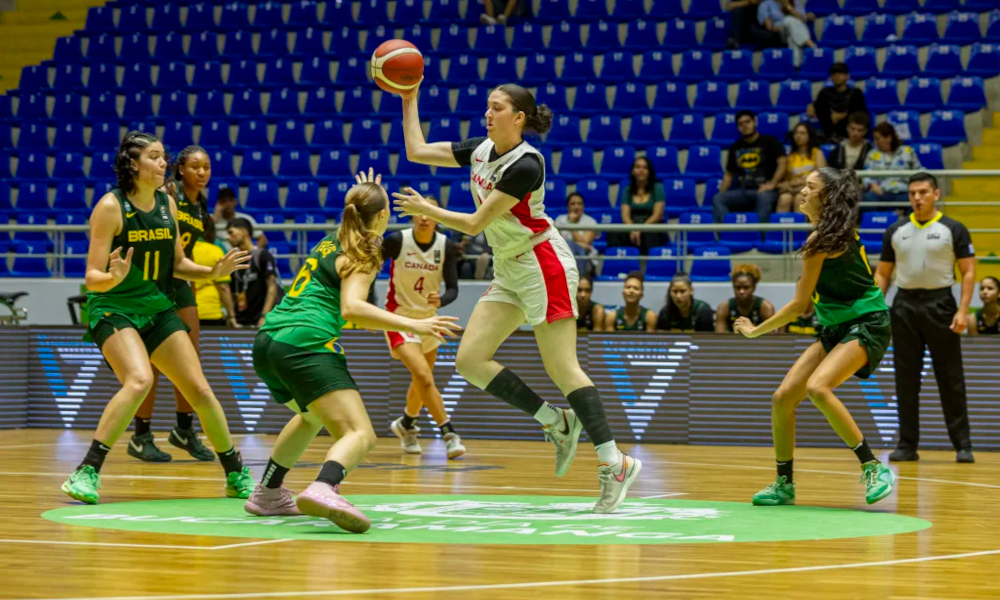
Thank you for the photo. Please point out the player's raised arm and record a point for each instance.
(417, 149)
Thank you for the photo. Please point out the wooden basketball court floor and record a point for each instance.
(688, 530)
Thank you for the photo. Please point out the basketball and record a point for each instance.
(397, 66)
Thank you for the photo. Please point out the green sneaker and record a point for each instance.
(83, 484)
(187, 439)
(878, 480)
(143, 448)
(240, 484)
(778, 493)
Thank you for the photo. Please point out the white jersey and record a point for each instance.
(415, 274)
(520, 227)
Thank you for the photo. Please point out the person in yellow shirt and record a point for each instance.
(212, 295)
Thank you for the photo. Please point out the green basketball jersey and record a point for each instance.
(846, 288)
(147, 287)
(622, 325)
(309, 314)
(190, 221)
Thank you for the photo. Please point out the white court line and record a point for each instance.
(542, 584)
(245, 544)
(154, 546)
(669, 495)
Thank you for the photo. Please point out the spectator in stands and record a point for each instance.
(852, 152)
(255, 289)
(747, 28)
(805, 158)
(476, 256)
(580, 242)
(744, 303)
(986, 320)
(755, 166)
(682, 311)
(835, 102)
(498, 12)
(632, 316)
(225, 213)
(788, 20)
(890, 154)
(591, 314)
(212, 295)
(643, 201)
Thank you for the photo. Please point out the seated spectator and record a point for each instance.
(591, 315)
(475, 256)
(212, 295)
(804, 159)
(643, 201)
(755, 166)
(580, 242)
(852, 152)
(632, 316)
(744, 303)
(683, 312)
(835, 102)
(498, 12)
(225, 212)
(747, 28)
(255, 290)
(788, 20)
(890, 154)
(986, 320)
(806, 324)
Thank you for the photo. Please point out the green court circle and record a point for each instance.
(471, 519)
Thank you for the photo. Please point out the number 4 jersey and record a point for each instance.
(417, 270)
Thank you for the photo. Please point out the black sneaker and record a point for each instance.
(904, 455)
(187, 439)
(143, 448)
(965, 456)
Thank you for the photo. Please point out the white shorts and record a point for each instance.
(428, 343)
(541, 281)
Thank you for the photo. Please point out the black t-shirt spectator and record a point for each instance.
(522, 177)
(701, 318)
(249, 287)
(753, 163)
(830, 99)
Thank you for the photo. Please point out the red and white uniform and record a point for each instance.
(533, 266)
(415, 274)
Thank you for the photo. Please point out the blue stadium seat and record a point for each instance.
(711, 97)
(490, 39)
(68, 107)
(552, 11)
(879, 30)
(962, 29)
(696, 65)
(242, 75)
(838, 32)
(274, 43)
(169, 46)
(590, 10)
(664, 159)
(316, 71)
(32, 108)
(69, 136)
(408, 11)
(816, 63)
(133, 18)
(681, 35)
(309, 43)
(100, 19)
(377, 159)
(463, 68)
(321, 102)
(411, 170)
(724, 131)
(656, 66)
(641, 35)
(862, 62)
(947, 127)
(628, 10)
(309, 218)
(455, 39)
(172, 77)
(736, 65)
(565, 132)
(754, 95)
(290, 134)
(5, 173)
(211, 105)
(605, 130)
(697, 238)
(284, 103)
(774, 124)
(397, 139)
(596, 193)
(215, 135)
(256, 165)
(630, 98)
(460, 195)
(984, 60)
(503, 67)
(793, 96)
(175, 106)
(907, 124)
(968, 94)
(427, 189)
(920, 29)
(993, 28)
(335, 163)
(881, 95)
(646, 129)
(167, 17)
(279, 73)
(591, 98)
(662, 270)
(101, 48)
(899, 7)
(901, 62)
(135, 47)
(6, 143)
(671, 98)
(553, 96)
(555, 190)
(205, 46)
(366, 133)
(246, 104)
(105, 135)
(710, 264)
(717, 31)
(101, 169)
(527, 35)
(252, 134)
(577, 161)
(138, 77)
(32, 165)
(704, 162)
(177, 135)
(617, 67)
(924, 94)
(70, 198)
(200, 17)
(740, 241)
(69, 165)
(262, 195)
(687, 130)
(207, 76)
(662, 10)
(776, 65)
(931, 155)
(943, 61)
(578, 69)
(33, 196)
(352, 71)
(376, 37)
(471, 102)
(979, 5)
(238, 44)
(37, 237)
(941, 6)
(303, 196)
(34, 136)
(617, 162)
(681, 196)
(859, 8)
(34, 78)
(69, 77)
(565, 37)
(875, 220)
(358, 103)
(328, 133)
(624, 262)
(76, 267)
(30, 266)
(69, 49)
(780, 242)
(235, 17)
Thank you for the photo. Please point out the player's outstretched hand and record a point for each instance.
(410, 203)
(370, 177)
(118, 266)
(407, 95)
(234, 260)
(745, 326)
(438, 327)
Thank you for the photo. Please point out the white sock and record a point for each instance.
(608, 453)
(548, 414)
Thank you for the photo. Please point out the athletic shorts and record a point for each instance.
(153, 329)
(302, 374)
(183, 295)
(541, 281)
(872, 330)
(428, 343)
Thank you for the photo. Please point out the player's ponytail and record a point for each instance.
(131, 149)
(840, 215)
(537, 117)
(542, 121)
(360, 243)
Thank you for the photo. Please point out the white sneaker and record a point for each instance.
(615, 481)
(565, 436)
(454, 445)
(407, 437)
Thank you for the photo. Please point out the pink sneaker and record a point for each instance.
(323, 500)
(267, 502)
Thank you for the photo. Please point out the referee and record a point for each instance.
(923, 251)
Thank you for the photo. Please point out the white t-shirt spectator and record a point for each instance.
(561, 220)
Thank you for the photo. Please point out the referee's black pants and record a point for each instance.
(922, 318)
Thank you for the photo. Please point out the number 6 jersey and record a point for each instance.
(417, 270)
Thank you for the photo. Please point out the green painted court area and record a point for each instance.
(453, 519)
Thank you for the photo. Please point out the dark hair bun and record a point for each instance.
(542, 121)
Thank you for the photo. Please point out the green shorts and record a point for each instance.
(183, 295)
(302, 374)
(153, 329)
(872, 331)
